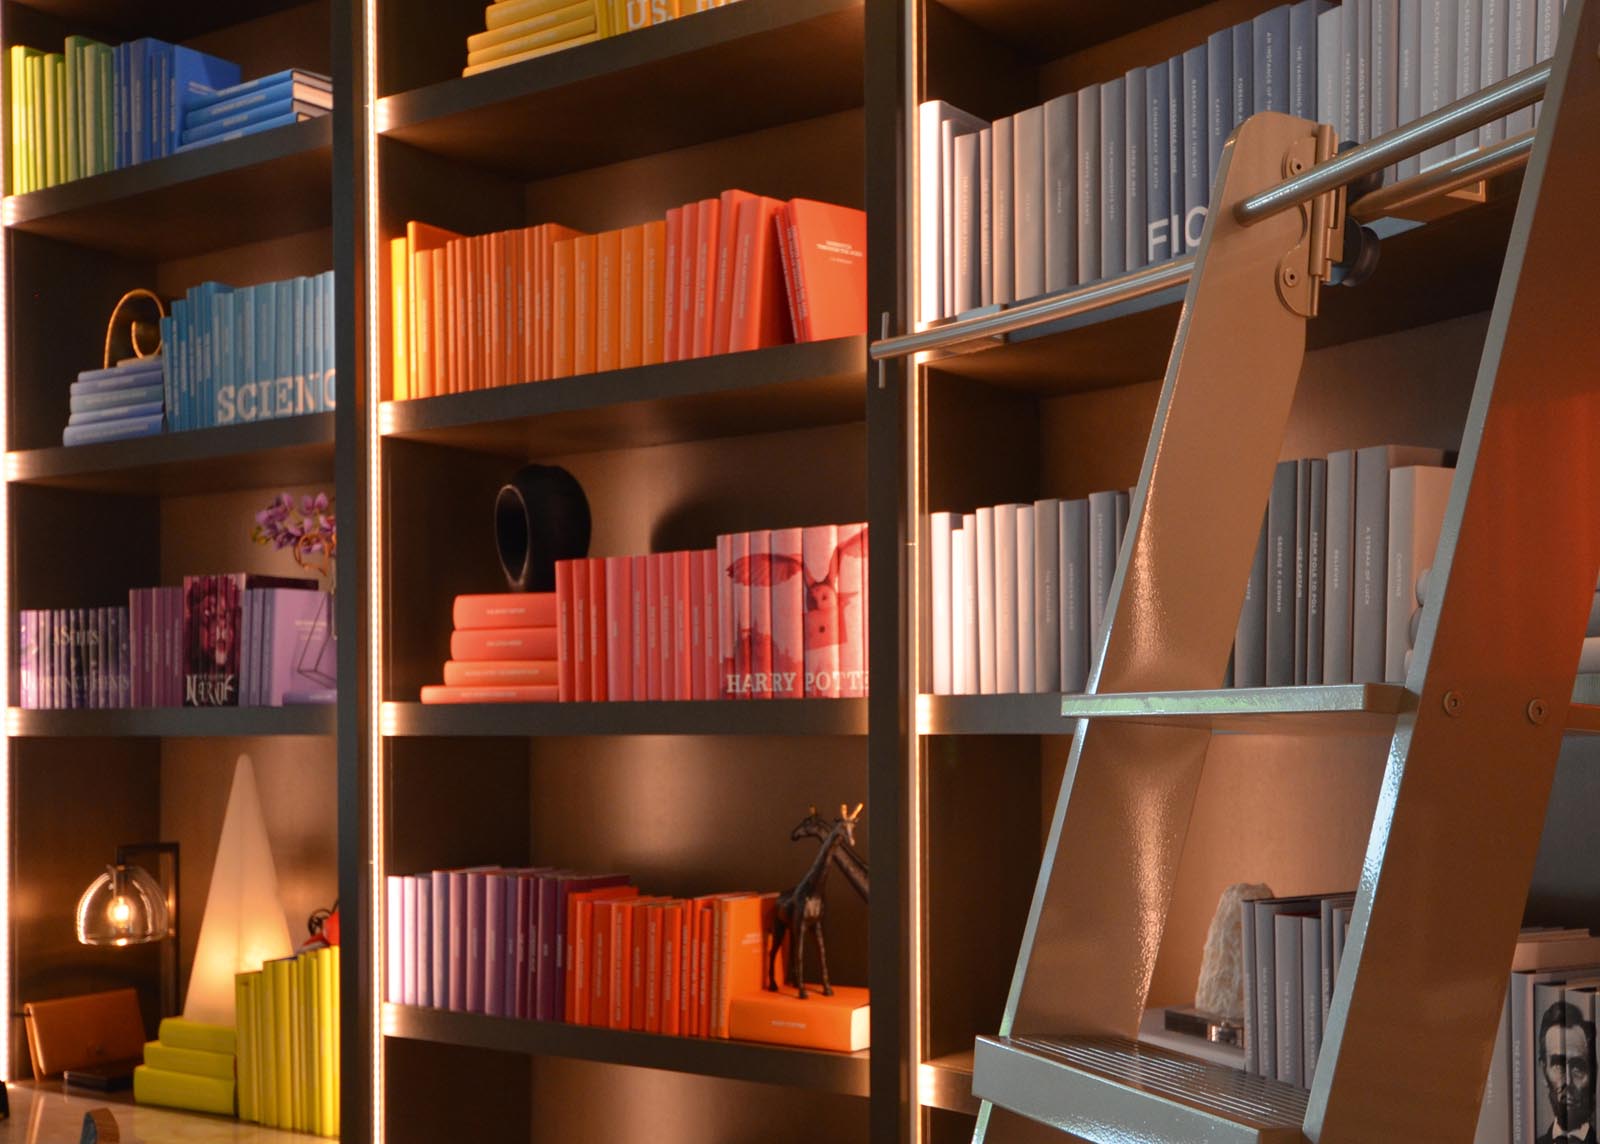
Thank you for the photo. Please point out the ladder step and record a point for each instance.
(1110, 1090)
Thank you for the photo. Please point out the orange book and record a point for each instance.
(706, 249)
(399, 320)
(608, 301)
(595, 629)
(600, 958)
(627, 938)
(566, 680)
(672, 259)
(516, 332)
(477, 299)
(688, 227)
(670, 957)
(828, 257)
(686, 935)
(439, 307)
(653, 304)
(584, 303)
(644, 915)
(741, 964)
(450, 693)
(841, 1023)
(479, 645)
(528, 296)
(501, 673)
(760, 315)
(562, 261)
(494, 333)
(703, 955)
(722, 298)
(505, 610)
(488, 291)
(425, 368)
(460, 315)
(580, 923)
(420, 237)
(630, 315)
(553, 234)
(647, 998)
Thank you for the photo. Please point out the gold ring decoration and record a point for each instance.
(137, 328)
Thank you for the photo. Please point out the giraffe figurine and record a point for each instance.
(846, 858)
(801, 909)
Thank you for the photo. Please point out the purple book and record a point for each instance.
(494, 942)
(552, 986)
(476, 938)
(441, 939)
(296, 651)
(458, 940)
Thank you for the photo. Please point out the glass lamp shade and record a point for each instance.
(123, 906)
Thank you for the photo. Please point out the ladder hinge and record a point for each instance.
(1309, 264)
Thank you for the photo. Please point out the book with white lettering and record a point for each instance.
(1159, 223)
(1061, 192)
(1521, 39)
(1089, 183)
(1330, 44)
(1384, 70)
(1102, 562)
(1408, 98)
(1287, 1004)
(1219, 94)
(1316, 549)
(1437, 85)
(1304, 17)
(1073, 543)
(931, 116)
(1270, 36)
(788, 589)
(970, 665)
(1370, 559)
(851, 581)
(1280, 576)
(1495, 32)
(967, 258)
(1005, 598)
(1113, 176)
(818, 545)
(1135, 191)
(1004, 239)
(1028, 207)
(1469, 62)
(1047, 595)
(986, 216)
(1352, 107)
(1196, 167)
(1250, 637)
(1338, 548)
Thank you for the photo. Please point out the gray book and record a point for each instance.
(1302, 566)
(1113, 175)
(1521, 35)
(1247, 961)
(1135, 161)
(1102, 562)
(1469, 62)
(1243, 53)
(1438, 59)
(1328, 910)
(1280, 576)
(1350, 107)
(1371, 556)
(1303, 19)
(1270, 38)
(1339, 549)
(1089, 183)
(967, 260)
(986, 216)
(1364, 80)
(1547, 28)
(1418, 497)
(1267, 911)
(1310, 995)
(1384, 70)
(1495, 31)
(987, 642)
(1196, 169)
(1027, 615)
(1047, 595)
(1287, 1004)
(1027, 189)
(1061, 193)
(1316, 548)
(1175, 149)
(931, 117)
(1004, 249)
(1124, 506)
(1409, 97)
(1330, 43)
(1160, 225)
(1250, 637)
(1219, 95)
(1073, 539)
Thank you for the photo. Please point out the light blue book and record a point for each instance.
(249, 118)
(1244, 55)
(1303, 18)
(266, 333)
(302, 388)
(304, 86)
(330, 388)
(111, 430)
(253, 129)
(1271, 37)
(223, 355)
(282, 384)
(169, 360)
(115, 413)
(90, 402)
(119, 376)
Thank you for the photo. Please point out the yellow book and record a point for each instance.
(282, 1046)
(574, 10)
(555, 34)
(311, 1055)
(244, 1006)
(531, 53)
(635, 14)
(515, 11)
(194, 1062)
(663, 10)
(180, 1090)
(326, 1031)
(182, 1033)
(22, 176)
(266, 1051)
(297, 1047)
(54, 170)
(602, 18)
(336, 1009)
(399, 320)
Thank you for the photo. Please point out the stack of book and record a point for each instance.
(517, 30)
(735, 272)
(249, 354)
(260, 105)
(126, 400)
(190, 1065)
(1106, 180)
(74, 658)
(288, 1016)
(503, 650)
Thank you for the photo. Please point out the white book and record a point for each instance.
(930, 205)
(424, 931)
(970, 677)
(947, 225)
(986, 216)
(940, 528)
(408, 941)
(1005, 599)
(1495, 31)
(1027, 188)
(1438, 86)
(1370, 560)
(1027, 617)
(1469, 62)
(1330, 43)
(1522, 32)
(1089, 183)
(393, 906)
(1310, 995)
(987, 664)
(1288, 1005)
(1003, 250)
(1365, 80)
(968, 259)
(1074, 607)
(1409, 97)
(1102, 563)
(1047, 595)
(1061, 193)
(960, 612)
(1418, 497)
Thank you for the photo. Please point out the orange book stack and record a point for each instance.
(503, 650)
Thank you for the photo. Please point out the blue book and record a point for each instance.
(330, 344)
(1244, 54)
(223, 355)
(1270, 32)
(1219, 95)
(169, 364)
(91, 402)
(119, 106)
(279, 397)
(1159, 223)
(157, 62)
(1196, 169)
(138, 119)
(193, 76)
(1303, 56)
(111, 430)
(253, 129)
(292, 84)
(122, 374)
(1135, 179)
(266, 334)
(1175, 150)
(115, 413)
(249, 118)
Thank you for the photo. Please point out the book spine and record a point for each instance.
(1219, 94)
(1061, 193)
(619, 627)
(1247, 959)
(1339, 565)
(1028, 198)
(940, 600)
(1158, 217)
(1027, 616)
(819, 543)
(1196, 170)
(1408, 88)
(1074, 606)
(683, 648)
(1496, 29)
(1002, 175)
(1522, 32)
(667, 618)
(1330, 42)
(988, 643)
(1286, 1002)
(1047, 595)
(1316, 560)
(1280, 576)
(967, 260)
(1102, 563)
(566, 655)
(599, 648)
(1135, 186)
(1301, 569)
(1469, 62)
(788, 591)
(1005, 598)
(1089, 183)
(1303, 58)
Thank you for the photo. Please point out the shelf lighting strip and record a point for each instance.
(6, 937)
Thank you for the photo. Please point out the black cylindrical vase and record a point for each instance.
(540, 516)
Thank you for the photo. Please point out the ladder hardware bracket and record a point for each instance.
(1310, 263)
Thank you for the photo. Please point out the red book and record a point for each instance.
(652, 607)
(669, 284)
(506, 610)
(599, 672)
(683, 650)
(502, 673)
(619, 627)
(558, 940)
(707, 248)
(638, 635)
(694, 668)
(638, 959)
(647, 1016)
(582, 683)
(667, 610)
(619, 962)
(828, 253)
(759, 310)
(711, 663)
(580, 923)
(851, 562)
(528, 296)
(438, 693)
(564, 655)
(791, 290)
(504, 643)
(683, 1025)
(788, 593)
(688, 226)
(759, 573)
(819, 545)
(722, 293)
(599, 963)
(722, 565)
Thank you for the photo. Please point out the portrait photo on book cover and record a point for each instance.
(1564, 1080)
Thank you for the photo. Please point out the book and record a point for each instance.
(1113, 175)
(1418, 497)
(507, 643)
(1370, 558)
(1002, 171)
(285, 109)
(292, 84)
(183, 1090)
(504, 610)
(1160, 225)
(828, 247)
(1029, 208)
(1330, 44)
(1250, 636)
(1196, 167)
(1089, 205)
(819, 546)
(966, 255)
(940, 527)
(1060, 200)
(1046, 626)
(758, 316)
(1220, 84)
(1074, 606)
(840, 1023)
(182, 1033)
(1006, 612)
(1280, 588)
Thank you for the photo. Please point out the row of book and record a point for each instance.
(1118, 175)
(1541, 1072)
(288, 1042)
(251, 353)
(736, 272)
(218, 641)
(190, 1064)
(591, 949)
(517, 30)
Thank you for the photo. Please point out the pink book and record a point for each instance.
(669, 319)
(710, 663)
(135, 647)
(494, 943)
(619, 627)
(599, 671)
(441, 939)
(566, 690)
(523, 912)
(666, 609)
(722, 562)
(174, 645)
(743, 618)
(683, 659)
(759, 577)
(458, 940)
(852, 610)
(638, 637)
(788, 588)
(698, 632)
(582, 684)
(408, 940)
(394, 911)
(818, 549)
(476, 938)
(422, 953)
(652, 620)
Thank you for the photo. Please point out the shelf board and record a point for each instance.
(785, 387)
(175, 20)
(946, 1082)
(844, 1073)
(283, 451)
(1045, 31)
(733, 70)
(276, 183)
(170, 722)
(1107, 1088)
(691, 717)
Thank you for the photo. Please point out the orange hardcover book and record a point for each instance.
(690, 1006)
(688, 227)
(565, 679)
(626, 986)
(516, 331)
(494, 334)
(686, 936)
(555, 233)
(580, 920)
(450, 693)
(585, 302)
(841, 1023)
(828, 250)
(722, 296)
(505, 610)
(672, 254)
(399, 319)
(666, 1010)
(600, 956)
(528, 296)
(595, 629)
(630, 301)
(563, 259)
(474, 294)
(420, 237)
(760, 315)
(703, 982)
(460, 314)
(646, 1016)
(424, 367)
(653, 303)
(608, 301)
(439, 307)
(479, 645)
(501, 673)
(706, 249)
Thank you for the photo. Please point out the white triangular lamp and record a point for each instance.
(243, 924)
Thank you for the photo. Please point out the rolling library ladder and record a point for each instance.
(1470, 767)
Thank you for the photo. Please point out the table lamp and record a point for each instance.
(127, 905)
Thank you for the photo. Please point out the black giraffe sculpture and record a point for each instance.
(801, 909)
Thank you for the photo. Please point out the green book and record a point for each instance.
(76, 53)
(51, 135)
(194, 1062)
(180, 1090)
(181, 1033)
(103, 108)
(35, 102)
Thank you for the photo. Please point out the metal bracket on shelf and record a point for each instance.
(1322, 239)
